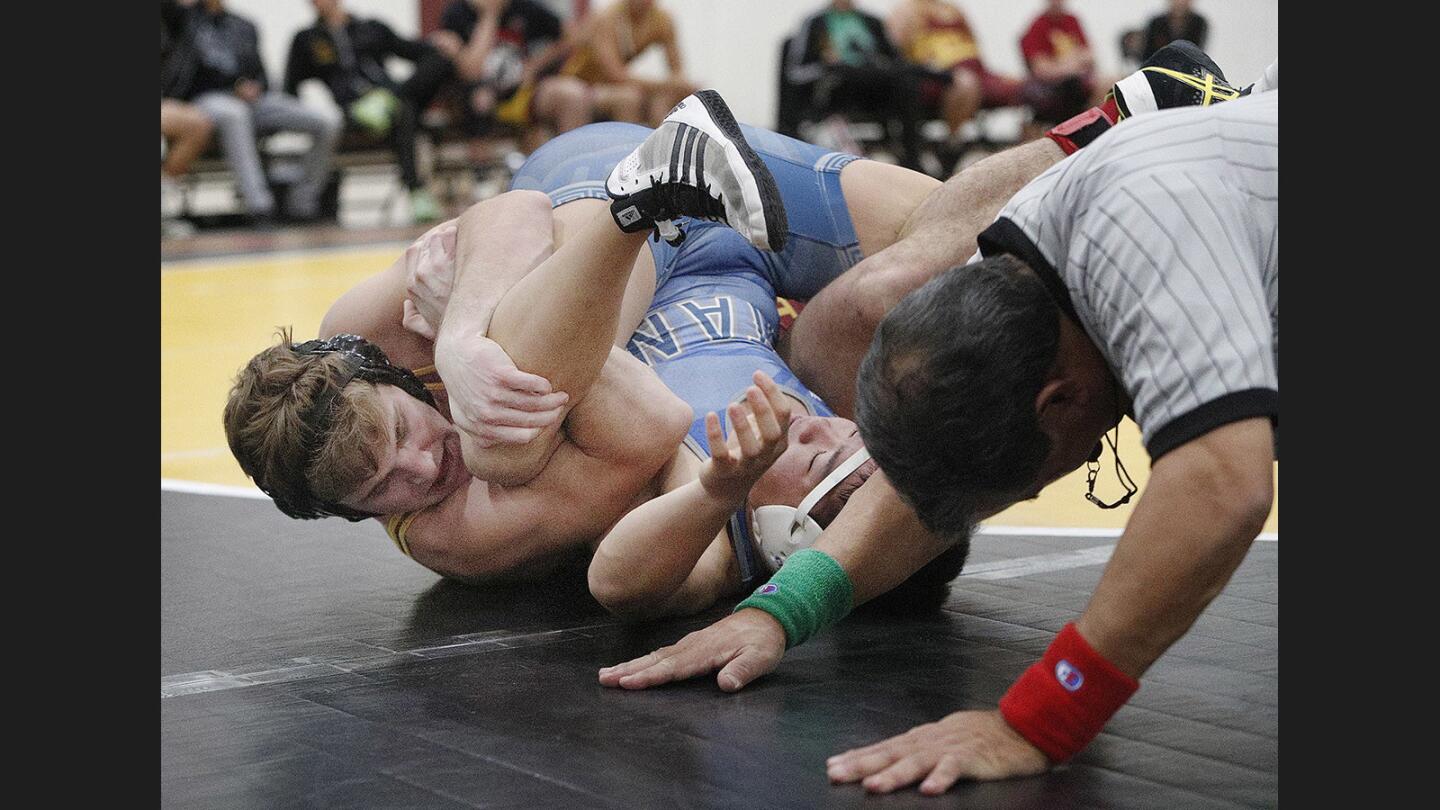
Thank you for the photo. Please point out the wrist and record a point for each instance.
(727, 494)
(810, 592)
(1063, 700)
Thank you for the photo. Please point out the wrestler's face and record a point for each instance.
(817, 444)
(420, 464)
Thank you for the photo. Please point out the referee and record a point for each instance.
(1140, 277)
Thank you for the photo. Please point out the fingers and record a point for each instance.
(860, 762)
(684, 659)
(905, 771)
(745, 668)
(776, 397)
(765, 417)
(610, 676)
(715, 437)
(415, 322)
(502, 402)
(744, 429)
(943, 775)
(517, 380)
(490, 435)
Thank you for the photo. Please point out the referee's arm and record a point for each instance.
(1205, 502)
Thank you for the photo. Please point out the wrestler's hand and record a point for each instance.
(965, 745)
(743, 646)
(429, 278)
(757, 439)
(491, 400)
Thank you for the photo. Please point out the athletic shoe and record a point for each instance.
(375, 111)
(1178, 75)
(697, 164)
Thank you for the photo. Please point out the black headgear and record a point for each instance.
(363, 361)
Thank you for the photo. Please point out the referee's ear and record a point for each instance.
(1058, 405)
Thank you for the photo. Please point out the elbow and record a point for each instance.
(1243, 494)
(618, 594)
(876, 293)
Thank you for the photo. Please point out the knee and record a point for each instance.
(965, 83)
(573, 93)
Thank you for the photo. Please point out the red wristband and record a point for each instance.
(1063, 700)
(1081, 130)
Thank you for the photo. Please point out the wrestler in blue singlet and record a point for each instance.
(713, 320)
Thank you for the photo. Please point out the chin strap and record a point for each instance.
(782, 530)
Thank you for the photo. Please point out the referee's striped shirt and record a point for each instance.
(1162, 241)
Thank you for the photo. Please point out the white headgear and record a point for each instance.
(783, 530)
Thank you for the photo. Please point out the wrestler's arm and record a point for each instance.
(833, 332)
(877, 540)
(647, 565)
(497, 241)
(374, 309)
(664, 557)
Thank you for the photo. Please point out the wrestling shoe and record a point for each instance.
(697, 164)
(1177, 75)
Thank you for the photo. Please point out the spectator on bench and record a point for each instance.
(1180, 22)
(605, 45)
(507, 54)
(185, 130)
(348, 54)
(216, 64)
(851, 64)
(1058, 54)
(935, 35)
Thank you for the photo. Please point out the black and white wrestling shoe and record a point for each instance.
(697, 164)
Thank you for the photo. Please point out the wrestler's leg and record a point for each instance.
(560, 322)
(639, 289)
(880, 198)
(571, 170)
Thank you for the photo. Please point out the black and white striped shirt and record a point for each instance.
(1162, 241)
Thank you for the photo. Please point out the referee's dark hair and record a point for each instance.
(946, 393)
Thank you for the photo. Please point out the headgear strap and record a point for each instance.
(782, 530)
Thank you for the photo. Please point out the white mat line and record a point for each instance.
(1060, 531)
(1040, 563)
(200, 488)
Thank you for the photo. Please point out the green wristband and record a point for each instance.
(809, 592)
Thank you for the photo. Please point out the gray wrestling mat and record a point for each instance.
(309, 664)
